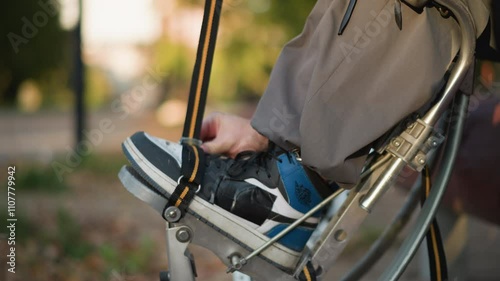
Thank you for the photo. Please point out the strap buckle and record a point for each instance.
(189, 182)
(181, 178)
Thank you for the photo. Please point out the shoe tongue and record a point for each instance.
(318, 182)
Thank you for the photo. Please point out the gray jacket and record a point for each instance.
(333, 95)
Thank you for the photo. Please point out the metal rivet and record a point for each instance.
(420, 159)
(183, 235)
(172, 214)
(396, 143)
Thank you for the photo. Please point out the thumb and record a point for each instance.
(210, 127)
(214, 146)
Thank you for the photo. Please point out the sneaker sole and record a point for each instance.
(212, 215)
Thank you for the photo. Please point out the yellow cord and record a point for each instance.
(433, 231)
(307, 274)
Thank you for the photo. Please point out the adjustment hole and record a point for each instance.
(340, 235)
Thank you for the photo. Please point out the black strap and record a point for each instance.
(193, 157)
(192, 171)
(202, 68)
(435, 248)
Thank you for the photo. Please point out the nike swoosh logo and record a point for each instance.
(280, 206)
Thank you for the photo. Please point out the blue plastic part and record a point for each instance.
(302, 195)
(295, 239)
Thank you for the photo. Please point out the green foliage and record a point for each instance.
(251, 35)
(32, 45)
(177, 61)
(289, 15)
(254, 34)
(138, 259)
(129, 262)
(69, 236)
(103, 164)
(41, 178)
(38, 177)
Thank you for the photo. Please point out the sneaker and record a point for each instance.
(250, 198)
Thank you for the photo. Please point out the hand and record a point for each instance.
(229, 135)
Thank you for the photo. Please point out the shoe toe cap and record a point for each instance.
(151, 152)
(173, 149)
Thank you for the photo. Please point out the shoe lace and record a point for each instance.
(251, 159)
(216, 159)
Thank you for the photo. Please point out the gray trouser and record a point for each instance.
(332, 95)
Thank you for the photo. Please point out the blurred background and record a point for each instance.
(78, 77)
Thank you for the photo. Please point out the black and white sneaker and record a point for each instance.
(250, 198)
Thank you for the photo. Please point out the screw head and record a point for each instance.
(396, 143)
(420, 159)
(183, 235)
(172, 214)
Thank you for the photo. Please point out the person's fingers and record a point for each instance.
(210, 127)
(215, 146)
(207, 147)
(229, 135)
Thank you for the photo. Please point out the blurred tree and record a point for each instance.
(177, 61)
(254, 33)
(32, 43)
(290, 15)
(251, 35)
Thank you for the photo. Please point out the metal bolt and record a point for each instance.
(396, 143)
(172, 214)
(183, 235)
(237, 263)
(420, 159)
